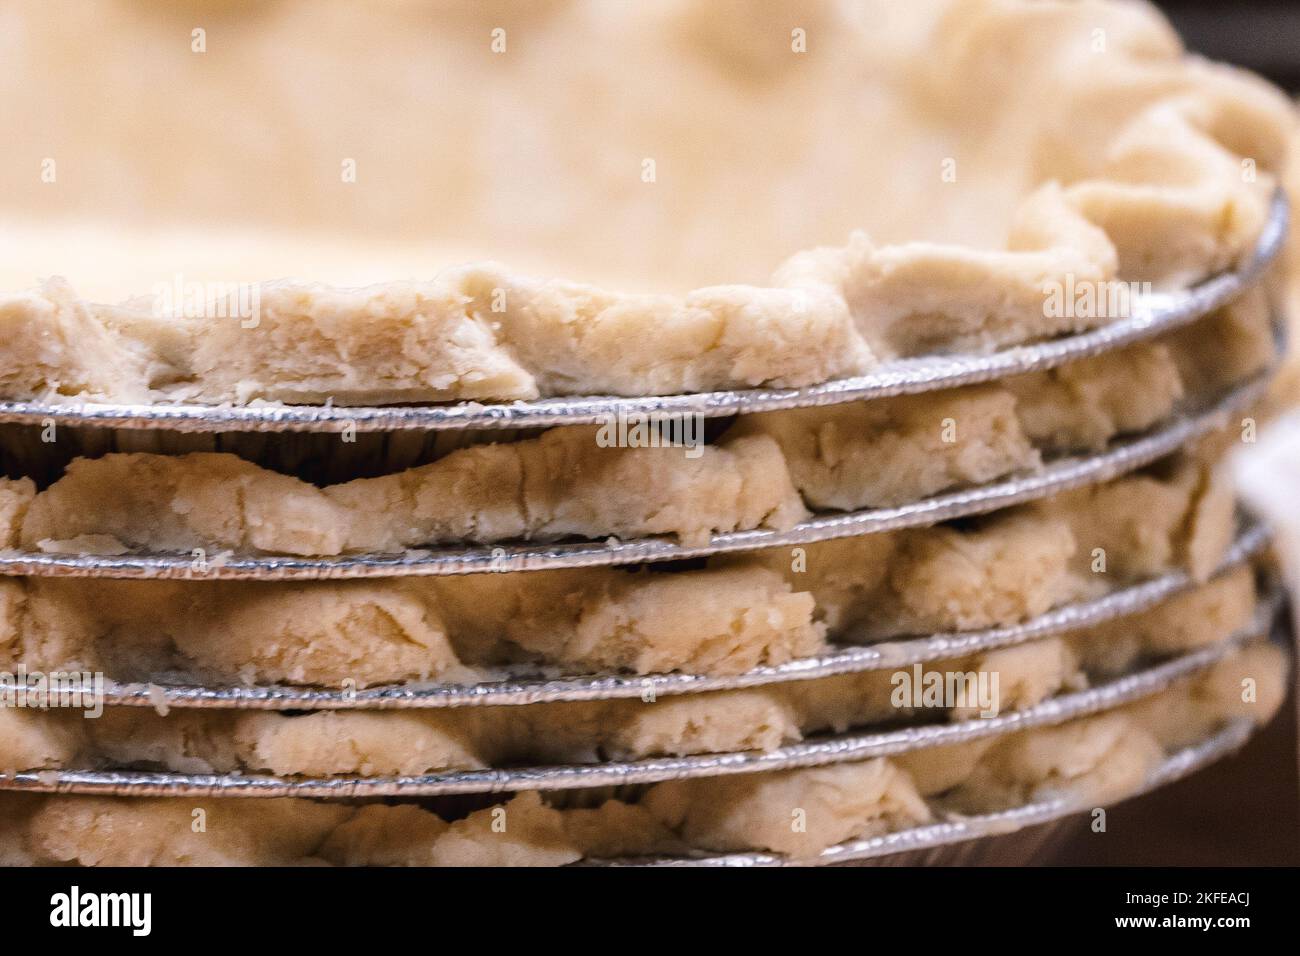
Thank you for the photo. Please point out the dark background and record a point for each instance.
(1263, 35)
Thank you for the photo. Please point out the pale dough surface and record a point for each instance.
(736, 613)
(766, 471)
(1101, 758)
(762, 718)
(648, 172)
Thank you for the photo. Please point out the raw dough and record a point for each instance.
(873, 454)
(722, 620)
(1124, 161)
(558, 485)
(763, 718)
(737, 613)
(1100, 758)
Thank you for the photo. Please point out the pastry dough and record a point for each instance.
(737, 613)
(1023, 156)
(1101, 758)
(1003, 568)
(761, 474)
(412, 742)
(723, 620)
(560, 484)
(1018, 151)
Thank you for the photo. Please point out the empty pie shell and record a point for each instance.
(583, 198)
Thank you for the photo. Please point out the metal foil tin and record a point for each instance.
(523, 687)
(912, 843)
(1055, 477)
(1154, 315)
(839, 748)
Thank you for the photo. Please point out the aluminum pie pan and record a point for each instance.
(845, 659)
(1155, 314)
(821, 751)
(1053, 478)
(954, 828)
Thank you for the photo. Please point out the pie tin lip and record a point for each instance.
(1060, 475)
(956, 828)
(1162, 312)
(814, 752)
(523, 689)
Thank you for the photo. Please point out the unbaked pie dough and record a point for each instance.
(1101, 758)
(767, 471)
(647, 173)
(414, 742)
(625, 199)
(736, 613)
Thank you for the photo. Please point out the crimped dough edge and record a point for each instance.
(830, 312)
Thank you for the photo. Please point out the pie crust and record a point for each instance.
(737, 613)
(1103, 758)
(767, 471)
(416, 742)
(689, 196)
(686, 149)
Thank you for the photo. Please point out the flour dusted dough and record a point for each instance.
(1120, 163)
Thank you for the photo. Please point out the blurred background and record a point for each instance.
(1263, 35)
(1241, 811)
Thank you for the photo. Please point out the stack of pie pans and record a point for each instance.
(990, 581)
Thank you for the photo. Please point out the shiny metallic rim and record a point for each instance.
(1058, 476)
(846, 659)
(957, 829)
(840, 748)
(1157, 314)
